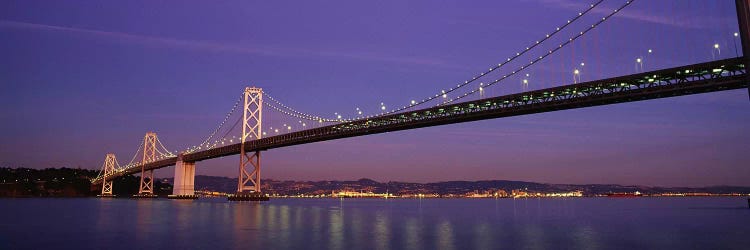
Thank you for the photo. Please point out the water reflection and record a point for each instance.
(336, 231)
(370, 224)
(184, 220)
(382, 230)
(143, 218)
(413, 232)
(483, 236)
(357, 229)
(284, 229)
(316, 227)
(585, 238)
(532, 236)
(243, 216)
(104, 216)
(445, 235)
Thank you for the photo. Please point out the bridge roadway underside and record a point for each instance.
(686, 80)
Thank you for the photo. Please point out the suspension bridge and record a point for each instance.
(434, 110)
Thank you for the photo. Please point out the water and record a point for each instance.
(580, 223)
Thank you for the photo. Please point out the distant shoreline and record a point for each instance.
(68, 182)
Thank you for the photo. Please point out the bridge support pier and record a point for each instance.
(184, 180)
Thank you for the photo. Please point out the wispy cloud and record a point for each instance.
(249, 49)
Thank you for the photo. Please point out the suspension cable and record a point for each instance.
(168, 153)
(294, 113)
(234, 108)
(232, 128)
(304, 116)
(298, 114)
(445, 92)
(140, 146)
(560, 46)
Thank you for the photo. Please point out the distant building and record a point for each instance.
(353, 194)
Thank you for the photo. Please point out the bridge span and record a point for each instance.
(706, 77)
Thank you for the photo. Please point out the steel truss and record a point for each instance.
(149, 155)
(252, 117)
(109, 169)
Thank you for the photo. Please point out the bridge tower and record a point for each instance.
(108, 169)
(149, 155)
(248, 185)
(743, 19)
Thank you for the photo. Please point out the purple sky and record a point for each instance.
(84, 78)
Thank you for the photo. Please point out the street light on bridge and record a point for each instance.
(638, 65)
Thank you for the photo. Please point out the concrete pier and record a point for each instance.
(184, 180)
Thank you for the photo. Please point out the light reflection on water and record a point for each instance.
(445, 235)
(586, 223)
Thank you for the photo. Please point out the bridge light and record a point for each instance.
(638, 60)
(716, 46)
(578, 72)
(649, 51)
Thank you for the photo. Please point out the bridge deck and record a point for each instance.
(686, 80)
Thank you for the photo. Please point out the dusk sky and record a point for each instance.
(84, 78)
